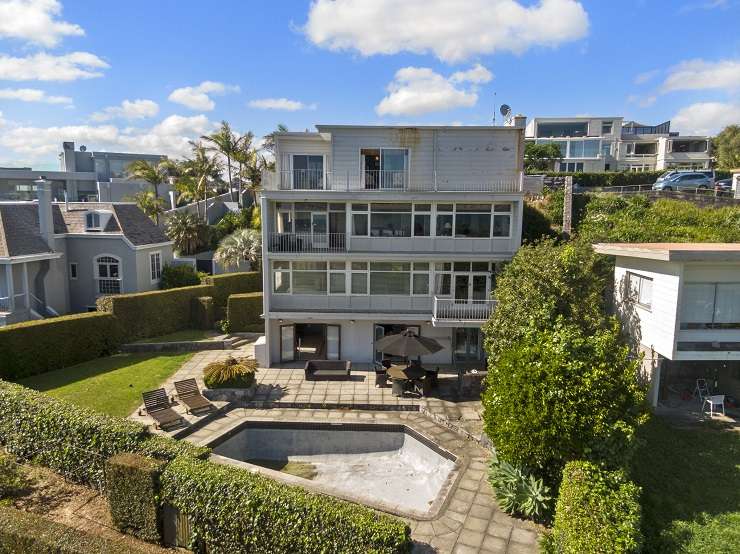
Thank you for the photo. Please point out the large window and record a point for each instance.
(640, 289)
(422, 220)
(309, 278)
(108, 274)
(281, 277)
(390, 278)
(384, 168)
(583, 148)
(308, 172)
(710, 306)
(155, 266)
(579, 129)
(571, 167)
(473, 220)
(390, 220)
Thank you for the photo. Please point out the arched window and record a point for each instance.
(108, 274)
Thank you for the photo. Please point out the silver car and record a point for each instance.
(684, 181)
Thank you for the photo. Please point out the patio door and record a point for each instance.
(287, 343)
(467, 345)
(319, 229)
(333, 342)
(471, 288)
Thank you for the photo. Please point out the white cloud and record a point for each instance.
(35, 21)
(419, 90)
(170, 136)
(49, 67)
(645, 76)
(453, 31)
(280, 104)
(129, 109)
(198, 97)
(32, 95)
(642, 101)
(700, 74)
(707, 5)
(706, 118)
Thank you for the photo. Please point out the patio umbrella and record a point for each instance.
(407, 344)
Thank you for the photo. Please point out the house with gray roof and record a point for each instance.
(59, 257)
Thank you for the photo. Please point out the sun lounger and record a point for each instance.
(157, 407)
(190, 395)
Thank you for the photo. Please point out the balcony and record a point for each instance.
(379, 181)
(307, 243)
(19, 304)
(460, 311)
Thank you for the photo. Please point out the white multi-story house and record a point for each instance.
(369, 230)
(597, 144)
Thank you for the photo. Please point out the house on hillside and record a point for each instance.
(371, 230)
(57, 258)
(681, 303)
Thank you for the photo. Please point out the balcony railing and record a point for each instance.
(19, 304)
(455, 309)
(380, 181)
(307, 242)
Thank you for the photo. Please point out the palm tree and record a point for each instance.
(154, 174)
(241, 245)
(269, 140)
(243, 156)
(200, 173)
(226, 142)
(183, 228)
(149, 204)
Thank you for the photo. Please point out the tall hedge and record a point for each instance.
(597, 511)
(148, 314)
(233, 510)
(34, 347)
(244, 311)
(234, 283)
(72, 440)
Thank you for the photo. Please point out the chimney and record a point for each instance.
(519, 120)
(46, 219)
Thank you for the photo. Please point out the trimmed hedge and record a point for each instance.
(597, 511)
(243, 311)
(27, 533)
(132, 485)
(174, 276)
(148, 314)
(72, 440)
(202, 313)
(233, 510)
(233, 283)
(35, 347)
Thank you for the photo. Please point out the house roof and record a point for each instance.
(673, 251)
(19, 225)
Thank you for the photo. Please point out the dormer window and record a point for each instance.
(92, 221)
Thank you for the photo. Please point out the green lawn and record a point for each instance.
(691, 488)
(111, 385)
(186, 335)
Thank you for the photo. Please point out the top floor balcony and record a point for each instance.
(381, 181)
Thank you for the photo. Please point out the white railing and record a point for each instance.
(19, 302)
(381, 181)
(307, 242)
(4, 303)
(462, 310)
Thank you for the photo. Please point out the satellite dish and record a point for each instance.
(83, 148)
(505, 110)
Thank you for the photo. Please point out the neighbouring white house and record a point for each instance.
(370, 230)
(681, 303)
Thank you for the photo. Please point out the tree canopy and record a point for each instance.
(727, 147)
(540, 157)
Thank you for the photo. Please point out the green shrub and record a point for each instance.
(72, 440)
(233, 510)
(518, 493)
(149, 314)
(12, 477)
(234, 283)
(203, 311)
(597, 511)
(27, 533)
(231, 373)
(244, 311)
(176, 276)
(35, 347)
(132, 486)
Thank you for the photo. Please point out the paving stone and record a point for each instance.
(494, 544)
(483, 512)
(524, 536)
(519, 548)
(471, 538)
(476, 524)
(500, 530)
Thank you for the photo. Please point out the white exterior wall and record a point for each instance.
(289, 145)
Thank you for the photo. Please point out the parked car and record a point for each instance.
(723, 185)
(675, 172)
(684, 181)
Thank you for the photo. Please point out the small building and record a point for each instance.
(57, 258)
(681, 303)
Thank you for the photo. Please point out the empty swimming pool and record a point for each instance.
(390, 466)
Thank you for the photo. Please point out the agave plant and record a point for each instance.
(517, 492)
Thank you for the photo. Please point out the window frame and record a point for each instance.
(93, 215)
(714, 325)
(361, 171)
(97, 261)
(641, 279)
(73, 271)
(155, 270)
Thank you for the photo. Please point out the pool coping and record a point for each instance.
(443, 497)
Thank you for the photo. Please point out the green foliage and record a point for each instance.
(151, 205)
(727, 147)
(185, 229)
(610, 178)
(636, 219)
(553, 206)
(224, 326)
(232, 221)
(148, 314)
(597, 511)
(244, 245)
(132, 485)
(536, 224)
(26, 533)
(231, 373)
(233, 283)
(517, 492)
(244, 311)
(233, 510)
(256, 219)
(202, 315)
(35, 347)
(72, 440)
(176, 276)
(540, 157)
(12, 477)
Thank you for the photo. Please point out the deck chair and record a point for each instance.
(714, 401)
(190, 395)
(157, 407)
(701, 389)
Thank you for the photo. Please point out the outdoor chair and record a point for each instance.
(157, 406)
(701, 390)
(715, 400)
(190, 395)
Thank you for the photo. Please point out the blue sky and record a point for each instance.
(146, 76)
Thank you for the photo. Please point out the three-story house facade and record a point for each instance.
(370, 230)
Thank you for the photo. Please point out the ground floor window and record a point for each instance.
(571, 167)
(108, 274)
(383, 329)
(310, 341)
(467, 345)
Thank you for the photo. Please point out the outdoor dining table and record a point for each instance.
(401, 374)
